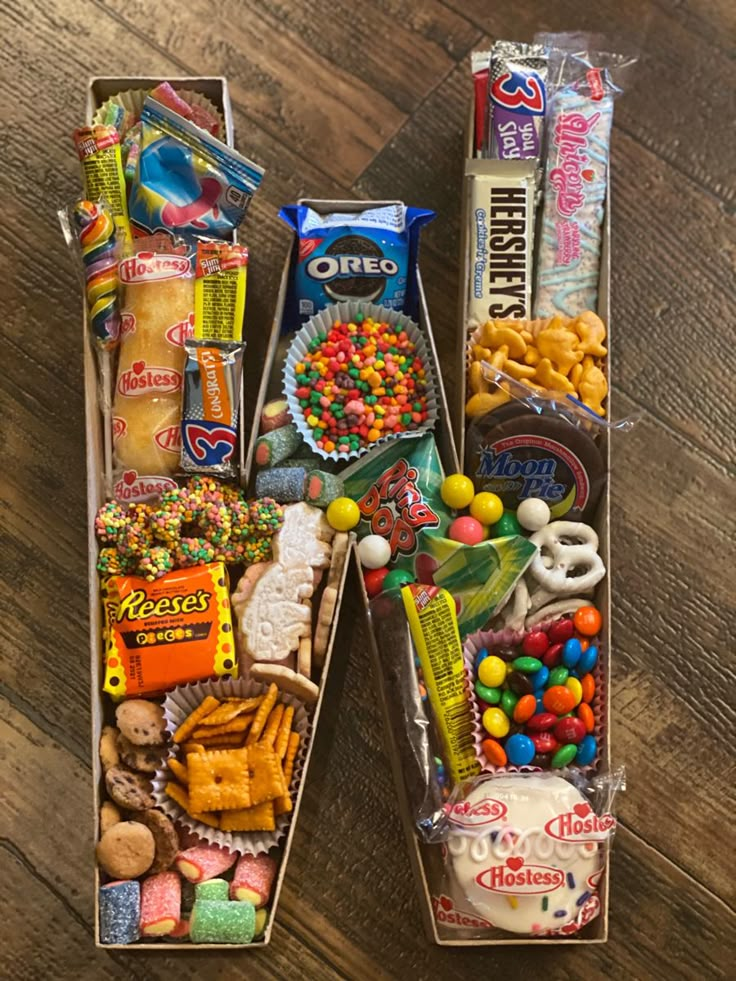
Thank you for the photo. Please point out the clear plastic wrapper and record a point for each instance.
(526, 852)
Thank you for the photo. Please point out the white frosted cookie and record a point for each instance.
(304, 538)
(526, 851)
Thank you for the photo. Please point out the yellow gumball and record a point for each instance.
(496, 723)
(486, 508)
(492, 671)
(343, 513)
(457, 491)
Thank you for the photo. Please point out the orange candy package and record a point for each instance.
(168, 632)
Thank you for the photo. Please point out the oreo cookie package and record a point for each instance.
(361, 255)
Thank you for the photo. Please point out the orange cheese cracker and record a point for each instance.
(236, 726)
(282, 738)
(192, 720)
(273, 725)
(179, 794)
(266, 778)
(260, 817)
(231, 709)
(169, 632)
(264, 710)
(219, 780)
(179, 770)
(282, 805)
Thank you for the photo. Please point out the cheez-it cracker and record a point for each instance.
(169, 632)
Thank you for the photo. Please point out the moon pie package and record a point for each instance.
(168, 632)
(367, 255)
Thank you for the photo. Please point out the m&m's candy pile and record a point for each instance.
(359, 382)
(534, 698)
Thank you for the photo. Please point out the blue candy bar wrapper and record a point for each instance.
(368, 255)
(187, 181)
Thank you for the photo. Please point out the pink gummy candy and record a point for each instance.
(160, 904)
(204, 862)
(253, 879)
(166, 95)
(205, 120)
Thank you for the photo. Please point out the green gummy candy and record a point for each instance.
(212, 889)
(216, 921)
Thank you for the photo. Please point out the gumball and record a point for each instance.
(588, 660)
(494, 752)
(496, 723)
(343, 513)
(457, 491)
(467, 531)
(560, 631)
(569, 730)
(533, 514)
(374, 579)
(374, 552)
(519, 749)
(506, 525)
(486, 508)
(492, 671)
(397, 578)
(571, 652)
(587, 621)
(586, 751)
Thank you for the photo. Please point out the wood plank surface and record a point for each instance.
(345, 100)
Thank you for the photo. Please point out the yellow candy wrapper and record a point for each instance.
(219, 291)
(434, 630)
(98, 149)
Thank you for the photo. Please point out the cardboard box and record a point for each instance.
(216, 90)
(426, 859)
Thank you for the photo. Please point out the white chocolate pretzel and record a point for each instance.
(572, 546)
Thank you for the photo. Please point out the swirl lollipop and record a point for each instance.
(96, 230)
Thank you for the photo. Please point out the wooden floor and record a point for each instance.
(343, 99)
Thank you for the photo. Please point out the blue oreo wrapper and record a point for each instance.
(186, 180)
(368, 256)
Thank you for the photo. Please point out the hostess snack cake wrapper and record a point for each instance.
(187, 180)
(352, 256)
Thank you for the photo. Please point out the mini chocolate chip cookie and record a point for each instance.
(164, 835)
(129, 790)
(109, 816)
(147, 759)
(141, 722)
(126, 850)
(108, 747)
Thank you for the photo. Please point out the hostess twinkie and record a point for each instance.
(362, 255)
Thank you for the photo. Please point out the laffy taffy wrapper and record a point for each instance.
(175, 630)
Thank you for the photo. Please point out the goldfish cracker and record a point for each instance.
(476, 380)
(593, 386)
(503, 336)
(591, 332)
(479, 404)
(498, 358)
(559, 345)
(546, 375)
(517, 370)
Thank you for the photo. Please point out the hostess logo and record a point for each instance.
(448, 914)
(580, 824)
(140, 379)
(147, 266)
(477, 815)
(179, 333)
(515, 877)
(327, 267)
(132, 487)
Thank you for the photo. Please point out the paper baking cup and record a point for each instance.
(180, 703)
(490, 638)
(321, 323)
(132, 101)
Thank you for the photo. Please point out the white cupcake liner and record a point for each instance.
(345, 312)
(488, 638)
(132, 101)
(180, 703)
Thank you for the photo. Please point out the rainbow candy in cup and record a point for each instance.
(96, 229)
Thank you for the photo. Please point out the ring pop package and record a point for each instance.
(365, 255)
(187, 180)
(525, 852)
(157, 319)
